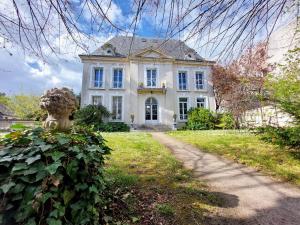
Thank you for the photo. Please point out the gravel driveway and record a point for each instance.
(249, 196)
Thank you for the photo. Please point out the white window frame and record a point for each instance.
(188, 107)
(187, 80)
(204, 80)
(92, 75)
(91, 98)
(111, 107)
(205, 101)
(149, 67)
(112, 77)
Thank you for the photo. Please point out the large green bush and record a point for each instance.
(91, 115)
(114, 127)
(283, 136)
(200, 119)
(52, 178)
(226, 121)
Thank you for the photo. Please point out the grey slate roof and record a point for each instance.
(173, 48)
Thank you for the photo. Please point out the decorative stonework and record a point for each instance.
(59, 103)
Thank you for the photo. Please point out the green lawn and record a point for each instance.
(246, 148)
(154, 184)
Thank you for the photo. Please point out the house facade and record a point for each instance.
(147, 80)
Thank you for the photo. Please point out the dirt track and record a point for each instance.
(250, 197)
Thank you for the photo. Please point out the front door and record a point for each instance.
(151, 110)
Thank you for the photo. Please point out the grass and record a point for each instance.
(248, 149)
(155, 186)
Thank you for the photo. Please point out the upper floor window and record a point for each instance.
(117, 108)
(98, 77)
(183, 108)
(97, 100)
(199, 80)
(201, 102)
(182, 80)
(151, 77)
(117, 78)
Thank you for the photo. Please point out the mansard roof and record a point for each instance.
(124, 46)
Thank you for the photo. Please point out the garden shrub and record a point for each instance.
(200, 119)
(226, 121)
(52, 178)
(283, 136)
(113, 127)
(91, 115)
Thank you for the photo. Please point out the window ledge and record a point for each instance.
(201, 90)
(117, 89)
(96, 88)
(183, 90)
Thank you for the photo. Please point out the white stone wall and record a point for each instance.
(134, 73)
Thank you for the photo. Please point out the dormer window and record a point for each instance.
(108, 51)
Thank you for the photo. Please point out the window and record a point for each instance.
(183, 108)
(117, 78)
(97, 100)
(98, 77)
(201, 102)
(151, 77)
(182, 80)
(117, 107)
(199, 80)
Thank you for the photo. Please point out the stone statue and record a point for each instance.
(59, 103)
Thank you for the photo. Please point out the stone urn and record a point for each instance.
(59, 103)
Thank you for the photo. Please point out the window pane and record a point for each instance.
(98, 77)
(199, 80)
(118, 78)
(97, 100)
(183, 108)
(201, 102)
(182, 80)
(117, 107)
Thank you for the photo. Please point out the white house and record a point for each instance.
(151, 79)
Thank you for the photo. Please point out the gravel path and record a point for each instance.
(249, 196)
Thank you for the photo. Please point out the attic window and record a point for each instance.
(108, 51)
(189, 55)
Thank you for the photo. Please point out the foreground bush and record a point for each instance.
(200, 119)
(288, 136)
(52, 178)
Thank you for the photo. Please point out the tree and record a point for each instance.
(41, 26)
(284, 85)
(240, 85)
(26, 107)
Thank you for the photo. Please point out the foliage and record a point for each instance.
(113, 127)
(91, 115)
(52, 178)
(283, 136)
(200, 119)
(284, 88)
(226, 121)
(26, 107)
(239, 85)
(4, 99)
(248, 149)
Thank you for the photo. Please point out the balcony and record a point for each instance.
(152, 90)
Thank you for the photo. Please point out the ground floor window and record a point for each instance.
(97, 100)
(201, 102)
(117, 107)
(183, 107)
